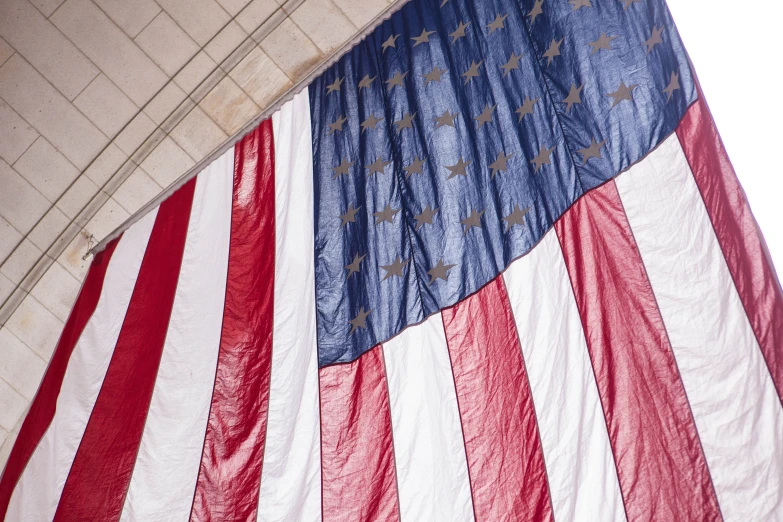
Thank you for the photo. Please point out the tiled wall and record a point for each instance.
(104, 103)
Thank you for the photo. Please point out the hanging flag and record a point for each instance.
(494, 264)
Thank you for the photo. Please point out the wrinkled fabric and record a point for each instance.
(741, 241)
(229, 475)
(730, 389)
(660, 464)
(629, 129)
(356, 441)
(103, 466)
(508, 477)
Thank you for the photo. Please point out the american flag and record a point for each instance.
(494, 264)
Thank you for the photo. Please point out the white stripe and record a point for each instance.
(737, 411)
(432, 469)
(291, 472)
(577, 452)
(166, 469)
(38, 492)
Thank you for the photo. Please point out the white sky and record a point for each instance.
(735, 49)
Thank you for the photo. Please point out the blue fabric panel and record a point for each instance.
(628, 131)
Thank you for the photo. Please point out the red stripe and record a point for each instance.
(658, 455)
(505, 459)
(101, 471)
(740, 239)
(45, 403)
(230, 475)
(357, 457)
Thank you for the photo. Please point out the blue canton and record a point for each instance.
(449, 141)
